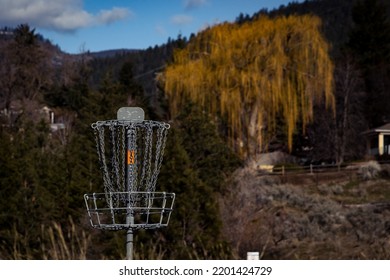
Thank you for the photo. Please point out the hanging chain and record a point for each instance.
(144, 140)
(122, 187)
(160, 145)
(131, 131)
(100, 146)
(146, 167)
(115, 155)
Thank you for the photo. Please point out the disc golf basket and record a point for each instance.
(130, 151)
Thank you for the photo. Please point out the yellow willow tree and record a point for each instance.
(253, 74)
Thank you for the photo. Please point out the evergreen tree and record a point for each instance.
(31, 71)
(370, 44)
(210, 156)
(195, 229)
(370, 37)
(33, 187)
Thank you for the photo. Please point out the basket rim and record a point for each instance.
(118, 123)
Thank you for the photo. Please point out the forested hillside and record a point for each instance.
(305, 79)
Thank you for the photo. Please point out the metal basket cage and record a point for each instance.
(147, 210)
(130, 153)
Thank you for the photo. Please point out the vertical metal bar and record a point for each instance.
(112, 210)
(164, 197)
(129, 240)
(96, 209)
(129, 185)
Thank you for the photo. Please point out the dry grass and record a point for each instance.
(54, 243)
(70, 245)
(328, 221)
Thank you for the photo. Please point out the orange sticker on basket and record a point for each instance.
(130, 157)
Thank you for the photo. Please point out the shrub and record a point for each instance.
(370, 170)
(385, 171)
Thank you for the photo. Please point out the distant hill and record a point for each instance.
(112, 53)
(335, 14)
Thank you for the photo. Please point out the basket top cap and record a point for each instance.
(135, 114)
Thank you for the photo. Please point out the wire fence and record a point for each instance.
(310, 169)
(316, 173)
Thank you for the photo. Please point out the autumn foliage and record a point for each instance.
(253, 74)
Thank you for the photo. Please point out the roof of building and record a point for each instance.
(384, 128)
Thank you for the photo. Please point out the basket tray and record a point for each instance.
(129, 210)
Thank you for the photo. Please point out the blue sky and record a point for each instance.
(95, 25)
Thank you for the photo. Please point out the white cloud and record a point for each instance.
(109, 16)
(181, 19)
(191, 4)
(59, 15)
(160, 30)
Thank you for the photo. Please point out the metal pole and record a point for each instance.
(129, 241)
(130, 161)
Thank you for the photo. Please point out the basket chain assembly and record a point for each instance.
(130, 152)
(130, 155)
